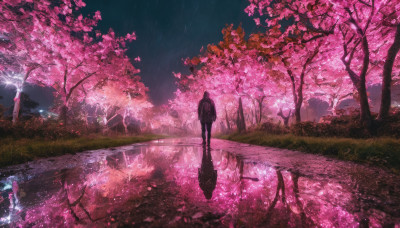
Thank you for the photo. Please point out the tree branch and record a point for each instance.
(78, 83)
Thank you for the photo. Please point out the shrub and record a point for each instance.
(348, 126)
(347, 130)
(391, 126)
(307, 128)
(273, 128)
(37, 128)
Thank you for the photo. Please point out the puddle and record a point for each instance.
(178, 182)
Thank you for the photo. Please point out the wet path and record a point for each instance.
(180, 183)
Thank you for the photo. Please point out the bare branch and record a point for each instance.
(365, 3)
(78, 83)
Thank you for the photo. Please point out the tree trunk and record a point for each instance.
(227, 120)
(63, 114)
(359, 79)
(124, 123)
(297, 96)
(17, 98)
(280, 191)
(253, 116)
(285, 118)
(240, 122)
(365, 114)
(261, 107)
(303, 216)
(300, 92)
(333, 105)
(17, 106)
(87, 119)
(297, 113)
(109, 119)
(387, 76)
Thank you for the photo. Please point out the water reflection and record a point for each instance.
(177, 185)
(9, 200)
(207, 174)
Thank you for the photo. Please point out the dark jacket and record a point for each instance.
(206, 110)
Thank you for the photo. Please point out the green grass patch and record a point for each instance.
(376, 151)
(17, 151)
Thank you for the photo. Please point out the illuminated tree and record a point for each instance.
(124, 97)
(234, 71)
(353, 30)
(86, 62)
(292, 59)
(232, 68)
(388, 20)
(27, 104)
(331, 84)
(296, 62)
(55, 39)
(24, 51)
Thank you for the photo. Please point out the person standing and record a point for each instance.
(207, 115)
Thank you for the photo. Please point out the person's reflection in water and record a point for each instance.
(207, 174)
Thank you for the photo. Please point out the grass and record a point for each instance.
(17, 151)
(376, 151)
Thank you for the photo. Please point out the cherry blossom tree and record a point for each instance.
(86, 62)
(294, 60)
(232, 67)
(388, 20)
(350, 25)
(57, 40)
(24, 51)
(331, 84)
(296, 63)
(125, 96)
(232, 71)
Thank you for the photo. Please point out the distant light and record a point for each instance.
(6, 187)
(6, 219)
(41, 110)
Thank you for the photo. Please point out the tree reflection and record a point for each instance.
(77, 202)
(158, 185)
(305, 221)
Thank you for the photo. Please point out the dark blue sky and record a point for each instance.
(167, 31)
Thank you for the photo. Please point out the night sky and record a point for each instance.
(167, 31)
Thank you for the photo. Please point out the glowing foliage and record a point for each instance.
(126, 97)
(329, 50)
(228, 71)
(356, 33)
(49, 44)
